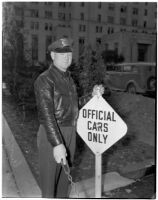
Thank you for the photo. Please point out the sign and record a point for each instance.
(99, 125)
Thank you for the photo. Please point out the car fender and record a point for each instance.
(138, 89)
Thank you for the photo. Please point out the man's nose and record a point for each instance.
(66, 55)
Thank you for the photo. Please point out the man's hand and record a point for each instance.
(98, 90)
(60, 154)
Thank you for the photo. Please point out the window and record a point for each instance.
(127, 68)
(123, 30)
(99, 18)
(48, 41)
(145, 12)
(18, 11)
(116, 46)
(81, 42)
(99, 29)
(62, 4)
(61, 16)
(144, 31)
(155, 14)
(135, 11)
(145, 23)
(34, 25)
(110, 19)
(110, 30)
(48, 14)
(142, 52)
(33, 13)
(34, 47)
(123, 9)
(82, 28)
(111, 6)
(82, 4)
(48, 3)
(99, 5)
(46, 26)
(82, 16)
(123, 21)
(98, 40)
(134, 22)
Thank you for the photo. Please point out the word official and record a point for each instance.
(98, 131)
(99, 114)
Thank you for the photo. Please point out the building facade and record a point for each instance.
(110, 24)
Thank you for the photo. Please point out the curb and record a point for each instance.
(137, 170)
(9, 187)
(25, 181)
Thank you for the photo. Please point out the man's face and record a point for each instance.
(62, 60)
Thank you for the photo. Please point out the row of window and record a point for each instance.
(82, 28)
(46, 3)
(35, 26)
(48, 14)
(82, 4)
(35, 13)
(111, 6)
(62, 16)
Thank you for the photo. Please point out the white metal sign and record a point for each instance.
(99, 125)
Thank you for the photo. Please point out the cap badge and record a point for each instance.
(63, 41)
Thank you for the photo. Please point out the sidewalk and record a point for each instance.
(24, 184)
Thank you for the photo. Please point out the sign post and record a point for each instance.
(98, 175)
(100, 127)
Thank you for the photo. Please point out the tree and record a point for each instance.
(75, 72)
(14, 55)
(92, 69)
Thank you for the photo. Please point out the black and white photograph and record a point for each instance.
(79, 99)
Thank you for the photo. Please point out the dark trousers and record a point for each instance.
(53, 180)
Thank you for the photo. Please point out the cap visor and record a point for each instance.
(63, 50)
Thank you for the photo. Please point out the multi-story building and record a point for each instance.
(88, 23)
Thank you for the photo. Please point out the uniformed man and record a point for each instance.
(57, 105)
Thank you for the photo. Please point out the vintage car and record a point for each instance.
(137, 77)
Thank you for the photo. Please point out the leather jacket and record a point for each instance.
(57, 102)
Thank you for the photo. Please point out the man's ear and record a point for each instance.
(52, 55)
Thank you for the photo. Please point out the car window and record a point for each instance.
(127, 68)
(118, 68)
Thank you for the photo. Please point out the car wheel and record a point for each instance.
(131, 88)
(152, 84)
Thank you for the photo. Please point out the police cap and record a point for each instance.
(62, 45)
